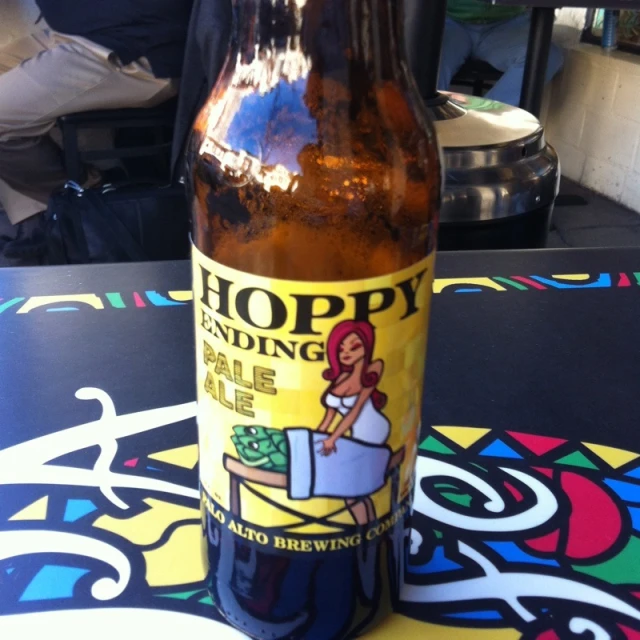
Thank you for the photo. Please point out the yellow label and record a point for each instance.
(309, 397)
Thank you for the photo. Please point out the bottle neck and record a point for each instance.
(333, 36)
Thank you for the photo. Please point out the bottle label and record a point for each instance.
(309, 397)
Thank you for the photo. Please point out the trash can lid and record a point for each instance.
(477, 122)
(496, 160)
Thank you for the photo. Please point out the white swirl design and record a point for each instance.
(580, 626)
(27, 463)
(21, 543)
(545, 507)
(511, 587)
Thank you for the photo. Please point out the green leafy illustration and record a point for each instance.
(261, 447)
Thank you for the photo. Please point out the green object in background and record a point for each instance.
(629, 26)
(261, 447)
(479, 12)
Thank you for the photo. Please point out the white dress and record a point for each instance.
(370, 426)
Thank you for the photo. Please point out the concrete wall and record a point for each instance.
(593, 120)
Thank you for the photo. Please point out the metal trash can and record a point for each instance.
(502, 177)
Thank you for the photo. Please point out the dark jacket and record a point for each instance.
(155, 29)
(207, 46)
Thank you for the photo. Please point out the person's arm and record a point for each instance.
(329, 415)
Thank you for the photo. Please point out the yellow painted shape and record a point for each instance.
(612, 456)
(397, 626)
(442, 283)
(315, 529)
(573, 276)
(35, 511)
(343, 518)
(462, 436)
(273, 517)
(178, 561)
(148, 526)
(43, 301)
(316, 508)
(186, 457)
(181, 296)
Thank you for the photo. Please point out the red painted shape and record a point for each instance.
(537, 444)
(624, 280)
(631, 634)
(544, 472)
(514, 492)
(531, 283)
(595, 522)
(545, 544)
(131, 463)
(138, 300)
(550, 634)
(635, 594)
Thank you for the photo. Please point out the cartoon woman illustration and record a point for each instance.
(353, 395)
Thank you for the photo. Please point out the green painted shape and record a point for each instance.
(510, 283)
(637, 276)
(577, 459)
(621, 569)
(479, 467)
(439, 535)
(206, 600)
(446, 486)
(185, 595)
(463, 499)
(435, 446)
(116, 301)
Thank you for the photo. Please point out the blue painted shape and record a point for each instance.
(476, 615)
(159, 300)
(52, 582)
(634, 473)
(513, 553)
(635, 517)
(603, 282)
(154, 469)
(468, 291)
(10, 303)
(499, 449)
(439, 563)
(10, 570)
(77, 509)
(626, 490)
(62, 309)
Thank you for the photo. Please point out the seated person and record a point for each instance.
(86, 56)
(495, 34)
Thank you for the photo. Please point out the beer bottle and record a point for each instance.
(315, 178)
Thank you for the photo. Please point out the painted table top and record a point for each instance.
(527, 515)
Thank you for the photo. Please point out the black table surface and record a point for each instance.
(533, 372)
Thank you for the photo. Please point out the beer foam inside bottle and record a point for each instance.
(315, 179)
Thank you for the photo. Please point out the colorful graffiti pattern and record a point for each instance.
(514, 535)
(534, 534)
(496, 284)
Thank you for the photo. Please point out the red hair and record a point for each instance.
(366, 333)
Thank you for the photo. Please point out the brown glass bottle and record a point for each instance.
(313, 162)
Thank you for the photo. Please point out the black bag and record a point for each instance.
(131, 223)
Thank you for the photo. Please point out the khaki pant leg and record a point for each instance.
(68, 76)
